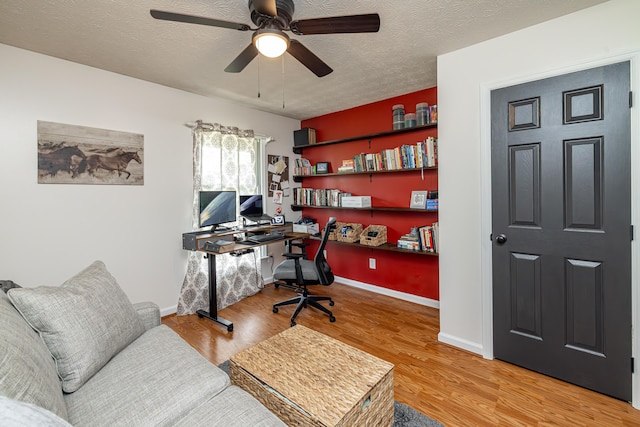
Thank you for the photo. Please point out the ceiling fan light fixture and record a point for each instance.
(271, 42)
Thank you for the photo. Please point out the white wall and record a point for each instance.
(50, 232)
(602, 34)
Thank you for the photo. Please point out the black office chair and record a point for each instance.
(301, 273)
(289, 245)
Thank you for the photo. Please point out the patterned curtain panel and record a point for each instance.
(224, 158)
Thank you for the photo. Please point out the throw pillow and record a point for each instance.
(84, 322)
(27, 371)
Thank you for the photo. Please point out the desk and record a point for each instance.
(237, 248)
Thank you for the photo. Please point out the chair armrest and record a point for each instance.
(299, 244)
(290, 255)
(149, 313)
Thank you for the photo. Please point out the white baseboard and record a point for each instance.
(367, 287)
(168, 310)
(473, 347)
(390, 292)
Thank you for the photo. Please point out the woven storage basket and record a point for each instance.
(379, 239)
(319, 381)
(352, 233)
(333, 235)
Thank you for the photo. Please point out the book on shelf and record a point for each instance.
(347, 166)
(303, 196)
(407, 156)
(429, 237)
(302, 166)
(412, 245)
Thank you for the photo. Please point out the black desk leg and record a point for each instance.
(213, 294)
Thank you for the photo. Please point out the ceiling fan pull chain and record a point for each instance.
(283, 82)
(258, 76)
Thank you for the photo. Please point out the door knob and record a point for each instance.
(501, 239)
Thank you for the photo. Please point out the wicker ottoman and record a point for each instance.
(310, 379)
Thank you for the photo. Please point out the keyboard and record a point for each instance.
(261, 238)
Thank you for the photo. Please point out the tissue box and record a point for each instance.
(356, 201)
(306, 228)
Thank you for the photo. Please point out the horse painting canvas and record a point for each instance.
(69, 154)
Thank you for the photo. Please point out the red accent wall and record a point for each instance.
(410, 273)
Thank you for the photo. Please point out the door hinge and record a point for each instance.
(632, 233)
(630, 99)
(633, 365)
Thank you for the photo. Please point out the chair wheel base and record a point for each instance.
(331, 303)
(332, 319)
(275, 309)
(293, 324)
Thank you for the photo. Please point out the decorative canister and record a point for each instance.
(422, 113)
(409, 120)
(398, 116)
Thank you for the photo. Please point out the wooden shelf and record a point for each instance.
(298, 149)
(299, 178)
(374, 208)
(386, 247)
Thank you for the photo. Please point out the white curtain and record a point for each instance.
(224, 158)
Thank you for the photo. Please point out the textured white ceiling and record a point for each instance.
(121, 36)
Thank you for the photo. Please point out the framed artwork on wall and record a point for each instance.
(70, 154)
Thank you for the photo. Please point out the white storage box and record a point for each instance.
(306, 228)
(356, 202)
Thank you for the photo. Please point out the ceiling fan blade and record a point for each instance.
(308, 59)
(265, 7)
(242, 60)
(369, 23)
(190, 19)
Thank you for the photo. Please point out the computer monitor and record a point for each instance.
(251, 206)
(216, 208)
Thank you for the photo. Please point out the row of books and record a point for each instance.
(318, 197)
(423, 239)
(408, 156)
(303, 166)
(418, 155)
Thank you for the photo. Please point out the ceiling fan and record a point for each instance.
(273, 18)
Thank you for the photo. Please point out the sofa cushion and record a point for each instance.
(84, 322)
(233, 407)
(155, 381)
(27, 370)
(15, 413)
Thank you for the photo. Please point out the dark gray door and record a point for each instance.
(561, 201)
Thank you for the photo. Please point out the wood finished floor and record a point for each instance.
(453, 386)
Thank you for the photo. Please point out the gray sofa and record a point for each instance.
(82, 354)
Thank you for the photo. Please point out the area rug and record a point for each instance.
(404, 416)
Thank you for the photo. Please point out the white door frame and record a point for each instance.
(485, 187)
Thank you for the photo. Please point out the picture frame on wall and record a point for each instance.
(72, 154)
(418, 199)
(322, 167)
